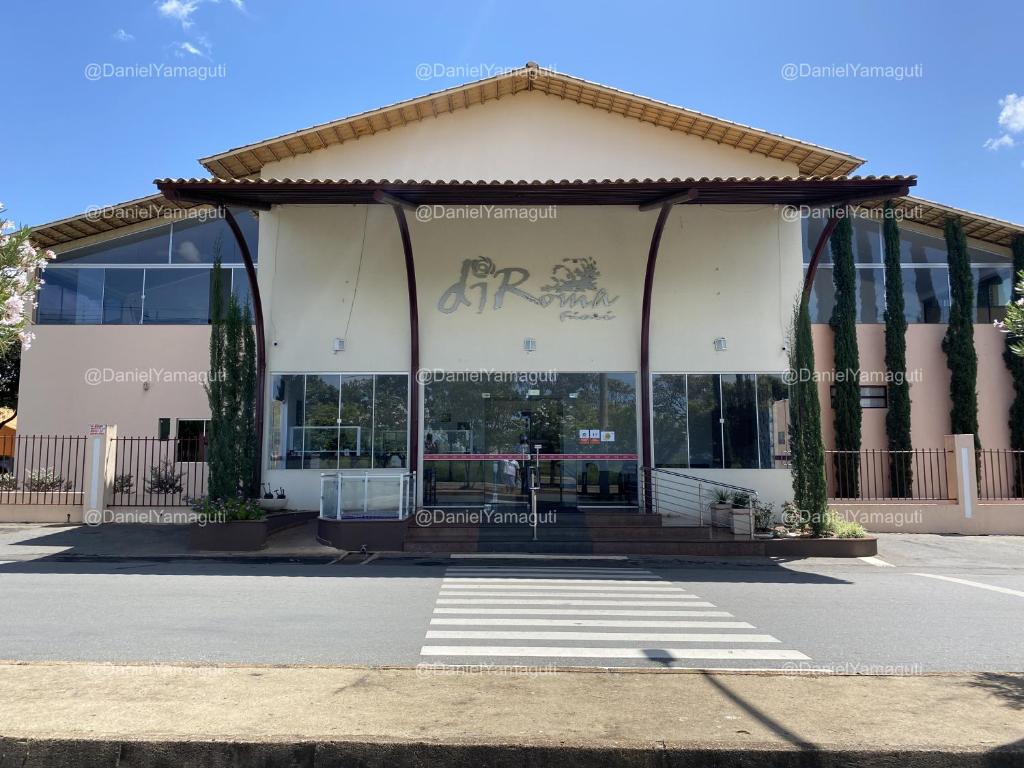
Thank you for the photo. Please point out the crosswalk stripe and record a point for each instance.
(574, 583)
(621, 595)
(524, 622)
(617, 572)
(571, 612)
(649, 637)
(667, 654)
(531, 601)
(565, 588)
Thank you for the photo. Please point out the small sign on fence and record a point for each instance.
(97, 429)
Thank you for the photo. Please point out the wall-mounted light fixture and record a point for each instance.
(721, 345)
(339, 346)
(530, 344)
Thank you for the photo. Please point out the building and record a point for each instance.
(456, 237)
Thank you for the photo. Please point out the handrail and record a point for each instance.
(697, 479)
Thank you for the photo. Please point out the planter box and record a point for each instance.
(352, 535)
(273, 505)
(233, 536)
(742, 520)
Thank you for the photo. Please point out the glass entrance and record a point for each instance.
(481, 438)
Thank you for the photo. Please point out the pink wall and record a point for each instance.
(929, 384)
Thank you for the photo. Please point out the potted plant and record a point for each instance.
(721, 502)
(742, 514)
(764, 513)
(273, 501)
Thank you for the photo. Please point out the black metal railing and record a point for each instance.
(41, 469)
(1000, 474)
(151, 471)
(883, 475)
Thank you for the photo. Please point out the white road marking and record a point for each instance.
(588, 595)
(570, 612)
(876, 561)
(511, 556)
(545, 569)
(647, 637)
(667, 654)
(624, 623)
(609, 603)
(483, 583)
(978, 584)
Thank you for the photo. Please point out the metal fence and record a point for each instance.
(691, 500)
(883, 475)
(152, 471)
(1000, 474)
(41, 469)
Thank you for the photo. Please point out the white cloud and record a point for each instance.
(186, 47)
(1011, 117)
(124, 37)
(180, 10)
(1006, 140)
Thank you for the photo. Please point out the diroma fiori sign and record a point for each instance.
(572, 288)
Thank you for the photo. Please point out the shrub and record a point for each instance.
(227, 510)
(164, 478)
(123, 483)
(8, 482)
(741, 500)
(764, 513)
(836, 525)
(721, 496)
(46, 481)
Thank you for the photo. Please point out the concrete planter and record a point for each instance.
(353, 535)
(742, 520)
(232, 536)
(273, 505)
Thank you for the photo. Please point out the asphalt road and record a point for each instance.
(854, 616)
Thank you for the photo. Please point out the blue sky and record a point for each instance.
(70, 142)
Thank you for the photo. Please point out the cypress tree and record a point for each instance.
(807, 451)
(218, 447)
(1015, 364)
(846, 405)
(234, 405)
(897, 420)
(958, 344)
(250, 468)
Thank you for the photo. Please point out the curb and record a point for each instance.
(56, 753)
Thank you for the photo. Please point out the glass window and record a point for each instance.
(670, 438)
(704, 410)
(870, 295)
(390, 421)
(916, 248)
(873, 397)
(356, 421)
(149, 247)
(926, 295)
(320, 426)
(177, 296)
(71, 296)
(812, 227)
(823, 296)
(867, 241)
(978, 256)
(197, 241)
(122, 297)
(773, 420)
(992, 289)
(191, 445)
(287, 395)
(739, 417)
(331, 421)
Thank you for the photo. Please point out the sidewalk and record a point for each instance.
(324, 716)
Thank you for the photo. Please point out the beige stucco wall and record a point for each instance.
(57, 398)
(527, 136)
(929, 384)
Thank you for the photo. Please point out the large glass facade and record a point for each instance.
(160, 276)
(480, 437)
(331, 421)
(716, 421)
(926, 293)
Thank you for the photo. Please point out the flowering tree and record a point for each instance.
(1014, 322)
(20, 266)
